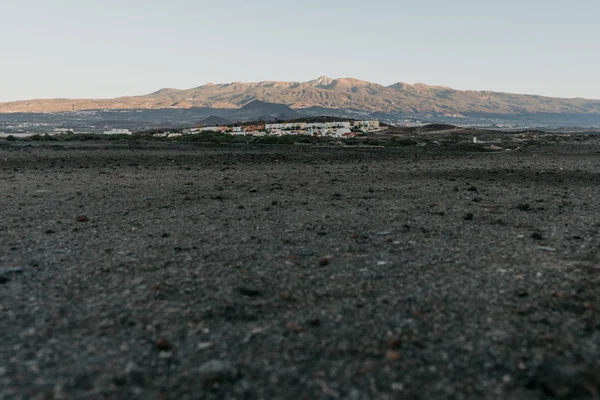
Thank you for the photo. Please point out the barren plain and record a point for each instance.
(186, 271)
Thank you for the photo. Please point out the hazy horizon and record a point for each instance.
(94, 49)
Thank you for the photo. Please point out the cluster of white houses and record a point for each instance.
(338, 129)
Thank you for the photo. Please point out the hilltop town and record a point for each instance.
(337, 129)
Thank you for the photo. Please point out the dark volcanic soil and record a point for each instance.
(186, 272)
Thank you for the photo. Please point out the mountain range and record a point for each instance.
(341, 93)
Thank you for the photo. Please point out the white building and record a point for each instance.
(118, 132)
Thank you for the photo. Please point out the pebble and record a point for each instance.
(249, 292)
(204, 345)
(11, 270)
(566, 380)
(546, 248)
(7, 272)
(163, 345)
(324, 261)
(468, 217)
(216, 371)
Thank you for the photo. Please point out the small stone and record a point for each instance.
(524, 207)
(468, 217)
(11, 271)
(294, 326)
(249, 292)
(135, 375)
(546, 248)
(82, 218)
(324, 261)
(565, 379)
(285, 296)
(163, 345)
(204, 345)
(49, 232)
(472, 189)
(216, 371)
(537, 236)
(253, 190)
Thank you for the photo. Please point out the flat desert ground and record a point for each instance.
(181, 271)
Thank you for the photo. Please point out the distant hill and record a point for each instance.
(323, 93)
(257, 108)
(214, 121)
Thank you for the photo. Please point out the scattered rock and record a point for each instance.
(324, 261)
(82, 218)
(537, 236)
(524, 207)
(472, 189)
(135, 374)
(468, 217)
(253, 190)
(294, 326)
(8, 272)
(11, 271)
(285, 296)
(163, 345)
(546, 248)
(204, 345)
(217, 371)
(566, 380)
(249, 292)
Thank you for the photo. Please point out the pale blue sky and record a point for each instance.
(107, 48)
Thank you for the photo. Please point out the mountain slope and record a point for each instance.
(344, 93)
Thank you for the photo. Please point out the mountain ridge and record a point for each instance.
(339, 93)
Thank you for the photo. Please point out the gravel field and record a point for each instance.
(174, 271)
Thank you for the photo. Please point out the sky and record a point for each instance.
(110, 48)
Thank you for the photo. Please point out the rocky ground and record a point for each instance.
(173, 271)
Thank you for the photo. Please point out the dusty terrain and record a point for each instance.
(178, 271)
